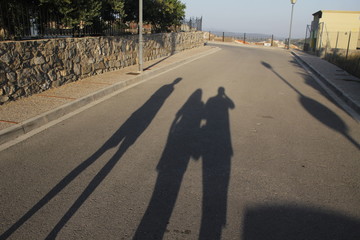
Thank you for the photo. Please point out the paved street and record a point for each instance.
(240, 144)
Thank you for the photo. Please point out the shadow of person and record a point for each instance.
(319, 111)
(295, 222)
(126, 135)
(180, 147)
(217, 153)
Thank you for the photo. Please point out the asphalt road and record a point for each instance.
(241, 144)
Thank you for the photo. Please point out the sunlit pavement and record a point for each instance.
(240, 144)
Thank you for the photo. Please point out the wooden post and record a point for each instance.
(336, 45)
(347, 51)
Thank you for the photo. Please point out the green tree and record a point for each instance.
(167, 13)
(79, 13)
(14, 17)
(162, 14)
(75, 13)
(112, 9)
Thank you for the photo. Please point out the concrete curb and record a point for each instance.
(341, 94)
(31, 124)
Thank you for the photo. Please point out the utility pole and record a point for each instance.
(141, 36)
(292, 12)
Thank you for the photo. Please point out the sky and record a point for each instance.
(262, 16)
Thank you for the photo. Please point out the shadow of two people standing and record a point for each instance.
(188, 139)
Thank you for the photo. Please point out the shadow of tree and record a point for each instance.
(124, 137)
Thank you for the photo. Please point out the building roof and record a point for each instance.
(319, 13)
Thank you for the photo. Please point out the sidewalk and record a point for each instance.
(26, 114)
(344, 85)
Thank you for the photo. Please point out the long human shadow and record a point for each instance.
(318, 110)
(183, 143)
(126, 135)
(217, 152)
(294, 222)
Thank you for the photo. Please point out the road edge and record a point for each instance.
(350, 106)
(9, 136)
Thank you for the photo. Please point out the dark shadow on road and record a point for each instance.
(217, 153)
(180, 147)
(186, 140)
(319, 111)
(124, 137)
(292, 222)
(309, 80)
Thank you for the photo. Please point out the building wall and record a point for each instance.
(337, 29)
(341, 21)
(28, 67)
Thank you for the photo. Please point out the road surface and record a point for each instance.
(240, 144)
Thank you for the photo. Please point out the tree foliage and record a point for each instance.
(77, 14)
(12, 16)
(85, 12)
(160, 13)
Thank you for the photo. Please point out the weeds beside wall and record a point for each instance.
(28, 67)
(347, 60)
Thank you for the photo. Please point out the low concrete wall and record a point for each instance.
(28, 67)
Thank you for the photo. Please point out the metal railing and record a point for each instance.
(192, 24)
(245, 38)
(21, 22)
(18, 22)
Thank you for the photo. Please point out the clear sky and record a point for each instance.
(262, 16)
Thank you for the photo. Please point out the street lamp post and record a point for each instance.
(292, 12)
(140, 36)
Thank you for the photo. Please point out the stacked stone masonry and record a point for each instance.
(28, 67)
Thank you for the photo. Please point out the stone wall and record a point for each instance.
(28, 67)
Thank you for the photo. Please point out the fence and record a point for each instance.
(340, 48)
(246, 38)
(192, 24)
(19, 21)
